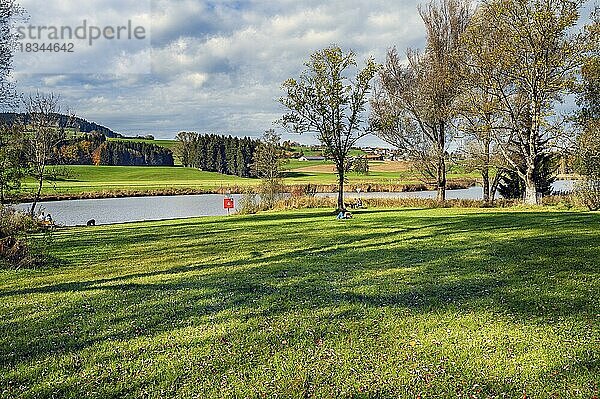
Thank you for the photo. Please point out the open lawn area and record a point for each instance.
(440, 303)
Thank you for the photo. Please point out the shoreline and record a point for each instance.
(319, 188)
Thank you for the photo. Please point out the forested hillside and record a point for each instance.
(65, 121)
(94, 149)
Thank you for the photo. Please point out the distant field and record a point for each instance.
(395, 173)
(110, 178)
(93, 179)
(445, 303)
(328, 167)
(309, 153)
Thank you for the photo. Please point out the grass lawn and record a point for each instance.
(394, 303)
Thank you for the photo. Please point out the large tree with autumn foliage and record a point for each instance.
(416, 101)
(526, 56)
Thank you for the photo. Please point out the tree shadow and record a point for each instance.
(427, 265)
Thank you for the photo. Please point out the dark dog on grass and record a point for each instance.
(91, 222)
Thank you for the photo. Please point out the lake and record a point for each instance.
(124, 210)
(133, 209)
(472, 193)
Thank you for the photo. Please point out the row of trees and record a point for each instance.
(123, 153)
(94, 149)
(78, 151)
(223, 154)
(488, 82)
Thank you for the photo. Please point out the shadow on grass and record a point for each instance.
(512, 264)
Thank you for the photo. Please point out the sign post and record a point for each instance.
(228, 204)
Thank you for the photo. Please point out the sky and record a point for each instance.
(204, 65)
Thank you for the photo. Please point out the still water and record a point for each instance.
(473, 193)
(123, 210)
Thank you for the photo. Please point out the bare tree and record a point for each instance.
(45, 131)
(12, 163)
(476, 121)
(8, 11)
(522, 52)
(414, 104)
(269, 156)
(326, 101)
(267, 165)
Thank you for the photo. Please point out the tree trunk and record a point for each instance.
(341, 205)
(441, 179)
(36, 198)
(39, 190)
(494, 187)
(441, 169)
(531, 194)
(485, 174)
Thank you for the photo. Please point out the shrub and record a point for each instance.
(588, 193)
(330, 202)
(305, 190)
(271, 191)
(18, 249)
(249, 203)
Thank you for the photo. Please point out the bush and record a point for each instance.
(305, 190)
(588, 193)
(330, 202)
(271, 191)
(18, 249)
(249, 203)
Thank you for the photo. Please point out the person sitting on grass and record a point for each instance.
(46, 220)
(344, 215)
(359, 203)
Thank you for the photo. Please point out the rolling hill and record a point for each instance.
(80, 124)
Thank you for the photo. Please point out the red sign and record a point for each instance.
(228, 203)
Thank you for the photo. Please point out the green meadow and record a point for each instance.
(411, 303)
(84, 179)
(89, 179)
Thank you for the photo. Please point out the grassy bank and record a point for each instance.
(394, 303)
(108, 181)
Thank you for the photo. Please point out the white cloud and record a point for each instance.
(218, 65)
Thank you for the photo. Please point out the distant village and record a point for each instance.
(316, 153)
